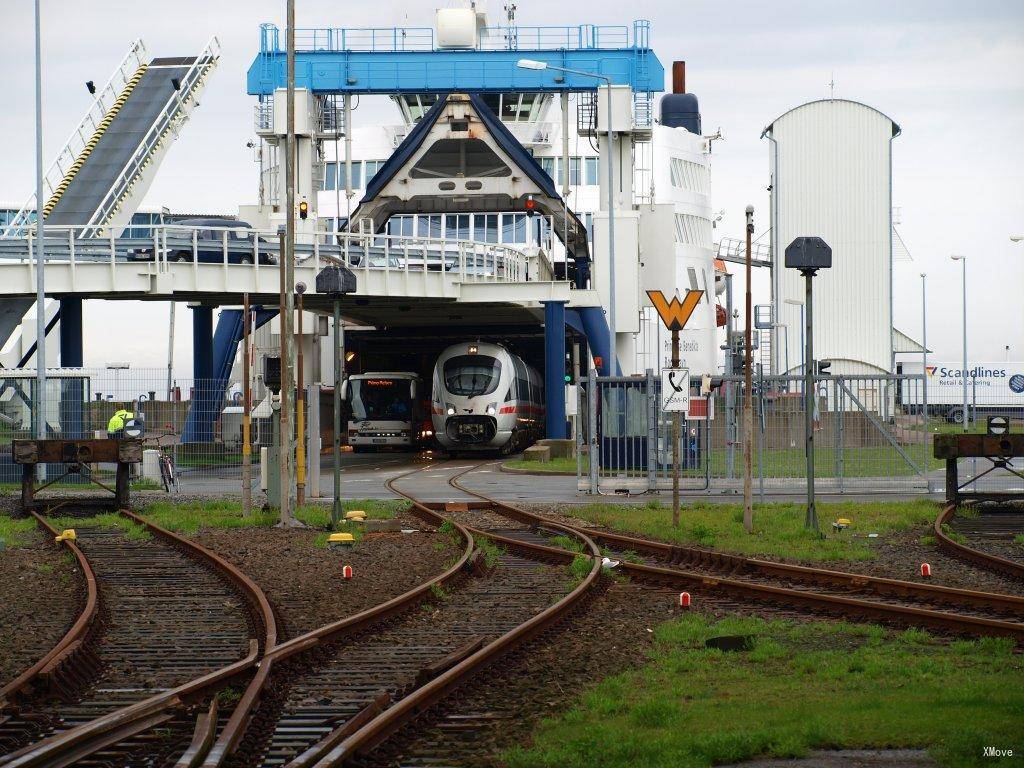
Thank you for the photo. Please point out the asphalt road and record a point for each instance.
(365, 476)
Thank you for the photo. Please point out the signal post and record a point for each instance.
(675, 381)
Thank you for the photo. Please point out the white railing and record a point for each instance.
(532, 132)
(176, 105)
(170, 247)
(85, 130)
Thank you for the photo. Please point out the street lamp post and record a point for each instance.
(40, 399)
(538, 65)
(963, 272)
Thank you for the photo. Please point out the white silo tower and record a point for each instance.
(831, 176)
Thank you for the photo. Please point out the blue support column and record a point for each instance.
(596, 328)
(199, 425)
(554, 368)
(71, 355)
(72, 391)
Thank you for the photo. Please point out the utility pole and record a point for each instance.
(339, 372)
(246, 412)
(676, 419)
(40, 398)
(288, 310)
(748, 391)
(811, 520)
(170, 352)
(300, 445)
(809, 254)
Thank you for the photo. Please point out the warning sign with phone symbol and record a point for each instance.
(675, 389)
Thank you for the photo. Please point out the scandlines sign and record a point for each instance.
(675, 314)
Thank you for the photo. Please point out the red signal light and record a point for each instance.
(531, 206)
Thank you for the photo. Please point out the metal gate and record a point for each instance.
(871, 434)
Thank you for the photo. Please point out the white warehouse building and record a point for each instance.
(831, 176)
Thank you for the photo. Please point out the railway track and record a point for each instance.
(166, 624)
(998, 527)
(346, 690)
(852, 595)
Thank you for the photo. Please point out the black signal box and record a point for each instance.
(808, 254)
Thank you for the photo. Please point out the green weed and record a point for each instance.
(813, 685)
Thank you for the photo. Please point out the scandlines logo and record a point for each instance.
(931, 369)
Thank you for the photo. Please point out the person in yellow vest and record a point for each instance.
(115, 427)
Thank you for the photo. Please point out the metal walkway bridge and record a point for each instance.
(217, 265)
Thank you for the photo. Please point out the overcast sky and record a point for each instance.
(950, 73)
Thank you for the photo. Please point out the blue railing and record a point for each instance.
(391, 39)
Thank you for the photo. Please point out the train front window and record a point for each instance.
(471, 375)
(380, 399)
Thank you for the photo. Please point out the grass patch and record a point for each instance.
(778, 527)
(866, 461)
(559, 466)
(579, 568)
(490, 550)
(17, 532)
(567, 542)
(191, 517)
(1019, 539)
(928, 541)
(800, 687)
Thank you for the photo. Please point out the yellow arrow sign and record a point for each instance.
(674, 314)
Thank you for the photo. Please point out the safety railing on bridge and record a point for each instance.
(388, 39)
(240, 247)
(870, 434)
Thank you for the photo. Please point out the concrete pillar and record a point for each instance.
(554, 369)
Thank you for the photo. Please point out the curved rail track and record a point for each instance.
(166, 623)
(849, 594)
(347, 690)
(978, 557)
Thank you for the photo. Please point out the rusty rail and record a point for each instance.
(73, 639)
(74, 744)
(986, 560)
(677, 577)
(345, 743)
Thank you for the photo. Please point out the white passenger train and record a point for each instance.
(486, 399)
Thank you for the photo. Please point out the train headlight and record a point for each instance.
(450, 410)
(492, 409)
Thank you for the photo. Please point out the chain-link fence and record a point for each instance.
(197, 423)
(870, 434)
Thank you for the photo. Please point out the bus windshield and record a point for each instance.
(471, 375)
(380, 399)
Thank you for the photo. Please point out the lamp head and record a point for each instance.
(531, 64)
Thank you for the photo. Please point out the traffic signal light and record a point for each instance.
(821, 367)
(303, 210)
(568, 369)
(531, 205)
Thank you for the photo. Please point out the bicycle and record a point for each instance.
(168, 473)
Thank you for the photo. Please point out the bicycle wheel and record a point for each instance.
(172, 473)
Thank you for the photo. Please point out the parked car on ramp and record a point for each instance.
(207, 239)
